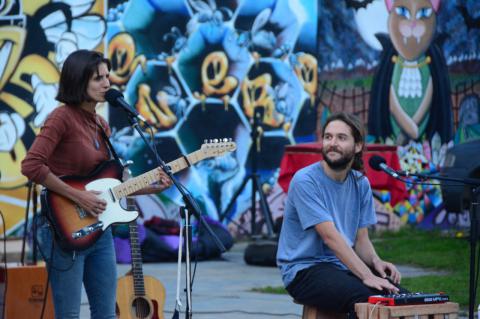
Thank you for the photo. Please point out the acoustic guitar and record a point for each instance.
(76, 229)
(138, 296)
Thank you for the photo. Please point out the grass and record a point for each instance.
(271, 290)
(432, 250)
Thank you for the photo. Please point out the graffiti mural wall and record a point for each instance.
(409, 68)
(199, 70)
(35, 39)
(195, 70)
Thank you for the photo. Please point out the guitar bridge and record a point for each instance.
(87, 230)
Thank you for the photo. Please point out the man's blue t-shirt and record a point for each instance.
(313, 198)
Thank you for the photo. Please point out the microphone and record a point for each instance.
(116, 99)
(378, 163)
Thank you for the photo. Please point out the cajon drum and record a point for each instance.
(23, 289)
(310, 312)
(447, 310)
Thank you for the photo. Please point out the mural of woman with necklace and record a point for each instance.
(410, 97)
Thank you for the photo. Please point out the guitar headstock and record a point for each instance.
(217, 147)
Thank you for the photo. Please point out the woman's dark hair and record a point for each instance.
(358, 132)
(76, 72)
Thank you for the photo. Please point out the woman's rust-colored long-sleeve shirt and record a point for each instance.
(66, 145)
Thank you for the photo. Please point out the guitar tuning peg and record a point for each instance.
(215, 140)
(205, 141)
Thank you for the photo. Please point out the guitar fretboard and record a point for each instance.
(207, 150)
(136, 253)
(135, 184)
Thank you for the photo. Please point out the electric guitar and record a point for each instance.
(138, 296)
(76, 229)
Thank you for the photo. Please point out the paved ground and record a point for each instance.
(222, 288)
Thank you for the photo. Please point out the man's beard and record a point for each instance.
(341, 163)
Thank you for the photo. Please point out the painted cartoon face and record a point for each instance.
(411, 24)
(122, 51)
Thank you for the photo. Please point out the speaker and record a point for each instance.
(461, 161)
(23, 288)
(261, 253)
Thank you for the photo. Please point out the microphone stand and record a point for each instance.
(191, 207)
(474, 227)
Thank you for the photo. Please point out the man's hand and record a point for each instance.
(386, 269)
(380, 284)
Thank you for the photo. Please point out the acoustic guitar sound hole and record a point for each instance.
(140, 308)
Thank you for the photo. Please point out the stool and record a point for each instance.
(447, 310)
(311, 312)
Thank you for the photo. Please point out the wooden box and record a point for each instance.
(23, 289)
(448, 310)
(310, 312)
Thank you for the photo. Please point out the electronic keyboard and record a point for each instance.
(408, 299)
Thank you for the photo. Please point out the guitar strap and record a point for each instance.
(110, 146)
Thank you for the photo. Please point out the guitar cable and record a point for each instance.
(159, 162)
(5, 264)
(30, 186)
(415, 180)
(49, 264)
(246, 312)
(197, 244)
(373, 309)
(52, 247)
(475, 282)
(47, 283)
(4, 305)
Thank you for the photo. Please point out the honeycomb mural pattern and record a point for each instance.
(198, 70)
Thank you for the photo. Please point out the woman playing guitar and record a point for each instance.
(71, 143)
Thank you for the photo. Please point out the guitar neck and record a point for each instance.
(135, 184)
(136, 252)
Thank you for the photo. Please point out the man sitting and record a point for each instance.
(325, 255)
